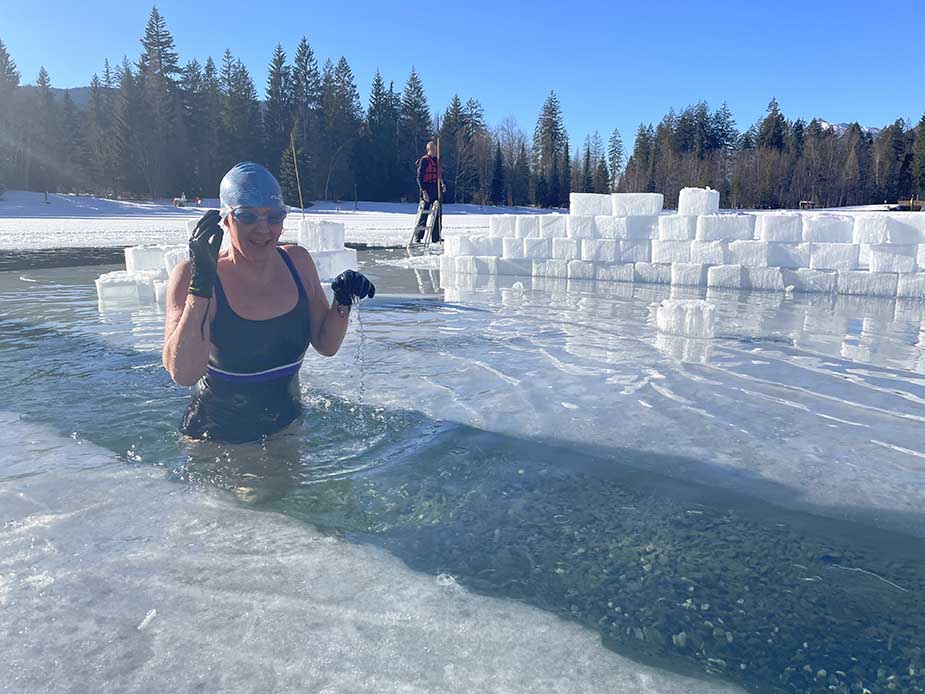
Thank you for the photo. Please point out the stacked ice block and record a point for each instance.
(144, 279)
(325, 242)
(627, 237)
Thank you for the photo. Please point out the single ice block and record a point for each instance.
(689, 274)
(466, 265)
(810, 281)
(515, 267)
(637, 204)
(671, 251)
(457, 245)
(527, 226)
(834, 256)
(865, 283)
(828, 228)
(769, 279)
(613, 272)
(748, 253)
(552, 226)
(694, 202)
(512, 247)
(566, 249)
(589, 204)
(537, 249)
(604, 227)
(890, 258)
(580, 227)
(502, 225)
(686, 318)
(780, 227)
(911, 285)
(708, 252)
(882, 228)
(650, 273)
(634, 251)
(602, 250)
(321, 235)
(676, 227)
(788, 255)
(726, 227)
(174, 255)
(331, 263)
(726, 277)
(486, 265)
(550, 268)
(145, 259)
(580, 270)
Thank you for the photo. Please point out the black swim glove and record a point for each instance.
(204, 245)
(350, 286)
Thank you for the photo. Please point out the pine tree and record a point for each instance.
(306, 106)
(555, 181)
(520, 178)
(75, 156)
(548, 137)
(918, 159)
(45, 137)
(159, 56)
(498, 187)
(772, 132)
(587, 170)
(289, 178)
(615, 158)
(377, 154)
(277, 114)
(565, 186)
(9, 81)
(414, 130)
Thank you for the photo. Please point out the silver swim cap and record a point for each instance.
(248, 184)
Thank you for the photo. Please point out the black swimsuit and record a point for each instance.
(251, 386)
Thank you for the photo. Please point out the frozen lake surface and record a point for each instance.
(491, 483)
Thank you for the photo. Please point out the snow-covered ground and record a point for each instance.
(27, 222)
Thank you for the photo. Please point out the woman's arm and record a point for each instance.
(186, 330)
(327, 322)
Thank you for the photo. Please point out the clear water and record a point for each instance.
(748, 511)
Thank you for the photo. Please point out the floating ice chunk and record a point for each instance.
(689, 274)
(890, 258)
(124, 286)
(650, 273)
(580, 227)
(911, 285)
(515, 267)
(698, 201)
(536, 248)
(589, 204)
(676, 227)
(321, 235)
(833, 256)
(748, 253)
(634, 251)
(502, 225)
(603, 250)
(866, 283)
(636, 204)
(149, 617)
(566, 249)
(580, 270)
(828, 228)
(708, 252)
(769, 279)
(726, 277)
(550, 268)
(512, 247)
(810, 281)
(686, 318)
(671, 251)
(726, 227)
(331, 263)
(457, 245)
(788, 255)
(144, 259)
(881, 229)
(552, 226)
(781, 227)
(527, 226)
(614, 272)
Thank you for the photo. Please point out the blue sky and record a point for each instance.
(612, 64)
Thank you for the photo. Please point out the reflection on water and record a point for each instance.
(543, 443)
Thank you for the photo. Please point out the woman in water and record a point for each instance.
(239, 321)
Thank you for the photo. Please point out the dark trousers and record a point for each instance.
(421, 220)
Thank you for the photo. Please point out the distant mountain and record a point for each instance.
(841, 128)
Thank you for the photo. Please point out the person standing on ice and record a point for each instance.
(239, 321)
(430, 175)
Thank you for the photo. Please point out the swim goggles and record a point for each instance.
(247, 216)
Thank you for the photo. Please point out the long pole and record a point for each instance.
(295, 163)
(439, 219)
